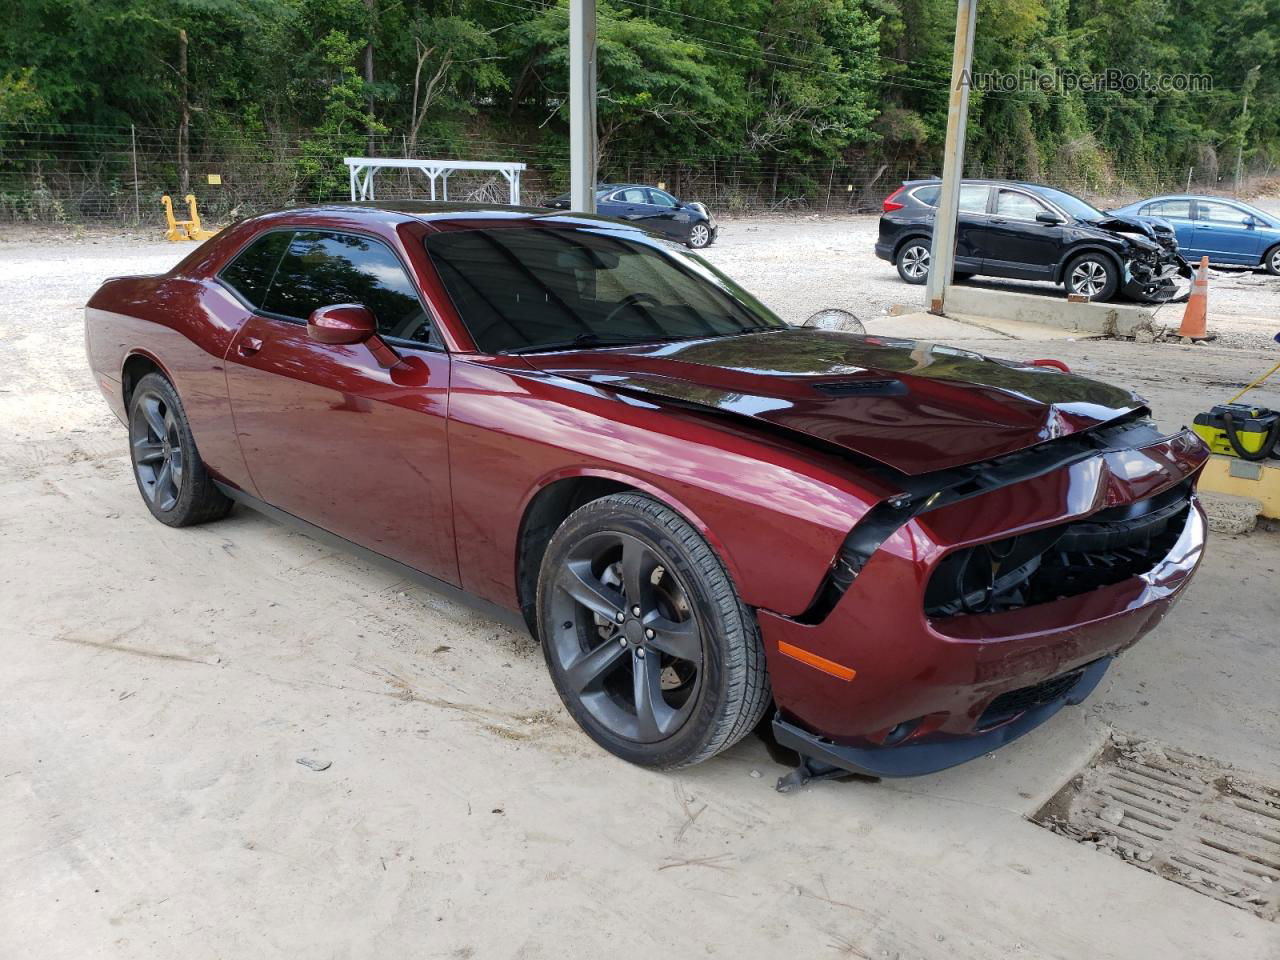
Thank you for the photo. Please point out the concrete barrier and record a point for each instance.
(1089, 319)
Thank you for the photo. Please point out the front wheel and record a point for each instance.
(647, 642)
(166, 465)
(1092, 275)
(699, 236)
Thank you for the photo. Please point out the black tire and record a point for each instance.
(1271, 261)
(1094, 275)
(912, 260)
(699, 236)
(699, 702)
(171, 477)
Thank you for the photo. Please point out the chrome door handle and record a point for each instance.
(248, 346)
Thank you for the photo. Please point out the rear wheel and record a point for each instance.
(1092, 275)
(166, 465)
(913, 261)
(699, 236)
(1271, 260)
(646, 640)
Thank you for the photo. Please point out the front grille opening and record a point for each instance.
(1011, 705)
(1063, 561)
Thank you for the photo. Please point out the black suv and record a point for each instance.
(1030, 232)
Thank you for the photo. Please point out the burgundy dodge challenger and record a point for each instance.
(913, 554)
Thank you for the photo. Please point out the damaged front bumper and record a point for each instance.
(921, 691)
(935, 752)
(1155, 278)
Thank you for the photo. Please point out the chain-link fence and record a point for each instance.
(75, 174)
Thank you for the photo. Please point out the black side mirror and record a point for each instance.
(1052, 219)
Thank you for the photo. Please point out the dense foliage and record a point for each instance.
(680, 81)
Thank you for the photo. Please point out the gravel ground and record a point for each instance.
(801, 266)
(160, 686)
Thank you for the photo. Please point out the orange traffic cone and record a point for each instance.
(1197, 312)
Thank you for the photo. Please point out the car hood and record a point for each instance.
(1140, 232)
(910, 405)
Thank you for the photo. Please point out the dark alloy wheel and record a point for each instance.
(699, 236)
(157, 450)
(171, 477)
(646, 640)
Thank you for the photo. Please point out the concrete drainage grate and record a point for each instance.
(1179, 816)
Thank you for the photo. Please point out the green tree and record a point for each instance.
(344, 123)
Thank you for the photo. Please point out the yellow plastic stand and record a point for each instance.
(194, 230)
(178, 229)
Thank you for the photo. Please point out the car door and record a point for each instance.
(666, 217)
(1178, 213)
(1015, 244)
(1225, 233)
(329, 434)
(631, 203)
(971, 220)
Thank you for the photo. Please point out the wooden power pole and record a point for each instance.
(942, 258)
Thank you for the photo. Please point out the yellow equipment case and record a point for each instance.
(1239, 430)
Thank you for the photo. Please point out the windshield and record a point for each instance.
(1072, 204)
(524, 289)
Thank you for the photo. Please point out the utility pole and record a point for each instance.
(368, 71)
(582, 105)
(943, 256)
(1250, 81)
(184, 124)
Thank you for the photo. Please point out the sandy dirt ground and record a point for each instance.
(159, 687)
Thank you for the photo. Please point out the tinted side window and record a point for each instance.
(633, 195)
(250, 273)
(321, 269)
(658, 198)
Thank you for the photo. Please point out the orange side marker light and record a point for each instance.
(837, 670)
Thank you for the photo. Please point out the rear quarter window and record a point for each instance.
(250, 273)
(927, 195)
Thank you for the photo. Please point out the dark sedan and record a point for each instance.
(1026, 231)
(686, 222)
(909, 554)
